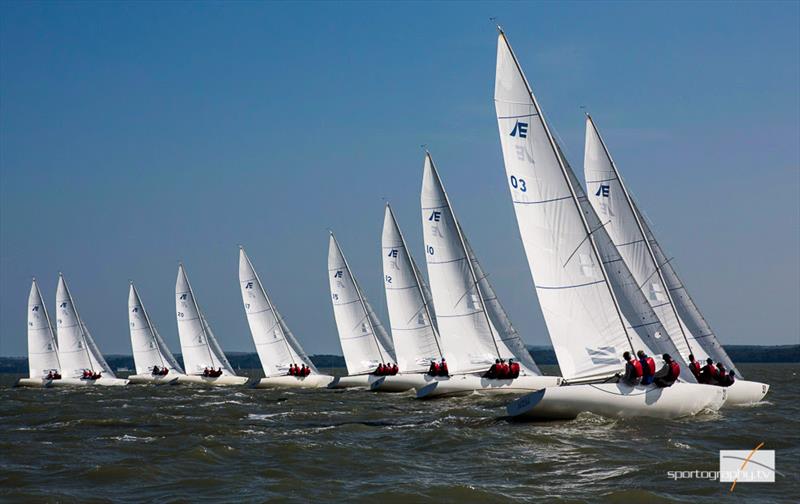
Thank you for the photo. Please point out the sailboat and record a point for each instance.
(154, 362)
(199, 347)
(411, 313)
(466, 306)
(276, 345)
(81, 360)
(592, 305)
(43, 364)
(364, 341)
(651, 268)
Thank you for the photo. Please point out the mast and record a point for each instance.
(149, 325)
(360, 298)
(557, 153)
(78, 319)
(49, 324)
(269, 302)
(466, 253)
(639, 224)
(199, 313)
(418, 282)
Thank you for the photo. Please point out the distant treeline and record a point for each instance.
(541, 354)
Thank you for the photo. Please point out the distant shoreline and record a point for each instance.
(541, 354)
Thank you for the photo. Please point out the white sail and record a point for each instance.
(655, 274)
(149, 350)
(42, 345)
(199, 347)
(469, 339)
(510, 343)
(591, 303)
(410, 312)
(76, 347)
(277, 350)
(363, 339)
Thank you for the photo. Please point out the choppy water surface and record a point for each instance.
(179, 443)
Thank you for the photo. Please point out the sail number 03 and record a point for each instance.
(518, 183)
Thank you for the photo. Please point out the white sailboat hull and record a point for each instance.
(467, 384)
(400, 382)
(169, 379)
(310, 381)
(33, 382)
(744, 392)
(219, 381)
(617, 400)
(79, 382)
(340, 382)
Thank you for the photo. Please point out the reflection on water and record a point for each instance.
(145, 443)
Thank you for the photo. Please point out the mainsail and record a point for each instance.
(42, 345)
(636, 243)
(591, 303)
(199, 347)
(364, 341)
(277, 348)
(77, 350)
(410, 311)
(465, 302)
(149, 350)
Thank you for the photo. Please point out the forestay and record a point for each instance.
(411, 314)
(592, 305)
(198, 345)
(655, 274)
(470, 341)
(149, 350)
(42, 346)
(77, 350)
(276, 348)
(364, 341)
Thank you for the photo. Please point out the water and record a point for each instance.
(184, 443)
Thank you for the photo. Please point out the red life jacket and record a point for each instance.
(444, 371)
(674, 370)
(435, 368)
(514, 370)
(637, 367)
(503, 372)
(651, 366)
(694, 367)
(395, 369)
(292, 371)
(308, 371)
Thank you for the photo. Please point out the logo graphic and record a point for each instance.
(135, 309)
(62, 305)
(249, 285)
(338, 274)
(742, 466)
(521, 129)
(393, 253)
(603, 191)
(436, 216)
(603, 355)
(35, 308)
(183, 297)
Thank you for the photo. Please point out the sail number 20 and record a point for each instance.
(518, 183)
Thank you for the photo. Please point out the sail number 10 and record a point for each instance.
(518, 183)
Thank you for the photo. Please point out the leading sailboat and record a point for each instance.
(154, 362)
(475, 330)
(653, 271)
(277, 347)
(364, 341)
(591, 303)
(43, 363)
(81, 360)
(202, 356)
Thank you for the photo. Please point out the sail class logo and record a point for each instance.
(603, 191)
(747, 466)
(520, 129)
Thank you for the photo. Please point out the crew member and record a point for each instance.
(494, 370)
(513, 369)
(728, 379)
(395, 369)
(443, 371)
(708, 374)
(668, 374)
(633, 370)
(434, 369)
(694, 367)
(648, 367)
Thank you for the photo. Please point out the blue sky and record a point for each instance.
(134, 135)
